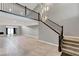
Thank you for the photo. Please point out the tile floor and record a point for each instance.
(25, 46)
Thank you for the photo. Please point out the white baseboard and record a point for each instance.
(48, 43)
(71, 36)
(43, 40)
(36, 37)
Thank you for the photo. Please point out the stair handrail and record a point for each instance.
(60, 34)
(39, 19)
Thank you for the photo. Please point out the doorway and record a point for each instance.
(10, 31)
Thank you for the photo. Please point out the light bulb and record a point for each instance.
(45, 17)
(47, 8)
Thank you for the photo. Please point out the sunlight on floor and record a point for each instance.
(26, 46)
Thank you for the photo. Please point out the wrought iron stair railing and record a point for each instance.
(19, 10)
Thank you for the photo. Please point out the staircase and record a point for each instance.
(70, 46)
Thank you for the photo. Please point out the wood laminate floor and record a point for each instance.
(25, 46)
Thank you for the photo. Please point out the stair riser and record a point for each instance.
(67, 52)
(73, 41)
(70, 44)
(70, 48)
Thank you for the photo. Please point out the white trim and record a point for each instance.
(71, 37)
(36, 37)
(42, 40)
(48, 43)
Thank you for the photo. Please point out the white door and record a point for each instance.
(10, 31)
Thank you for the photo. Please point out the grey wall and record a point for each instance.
(18, 28)
(32, 31)
(9, 19)
(3, 29)
(64, 14)
(47, 34)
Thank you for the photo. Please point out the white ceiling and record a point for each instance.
(29, 5)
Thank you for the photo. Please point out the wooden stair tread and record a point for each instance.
(70, 52)
(71, 40)
(70, 47)
(73, 37)
(71, 43)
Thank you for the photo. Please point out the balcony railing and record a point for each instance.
(56, 28)
(19, 10)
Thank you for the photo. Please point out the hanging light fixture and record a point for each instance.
(47, 8)
(45, 17)
(44, 9)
